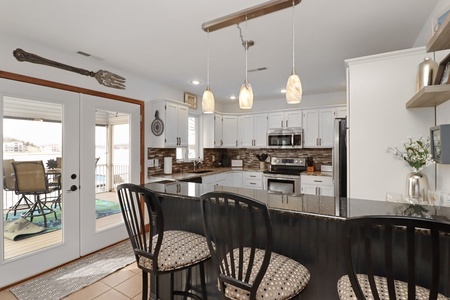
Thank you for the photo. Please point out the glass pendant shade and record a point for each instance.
(294, 89)
(208, 101)
(246, 96)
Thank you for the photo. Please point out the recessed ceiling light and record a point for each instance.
(233, 97)
(195, 82)
(283, 91)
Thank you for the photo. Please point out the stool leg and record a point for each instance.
(171, 286)
(144, 285)
(202, 280)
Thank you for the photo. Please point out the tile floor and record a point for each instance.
(124, 284)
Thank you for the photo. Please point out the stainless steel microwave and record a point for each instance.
(285, 138)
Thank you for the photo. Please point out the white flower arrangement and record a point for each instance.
(417, 153)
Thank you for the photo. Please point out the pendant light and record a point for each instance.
(208, 97)
(294, 85)
(246, 93)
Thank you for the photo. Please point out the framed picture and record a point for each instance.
(191, 100)
(442, 76)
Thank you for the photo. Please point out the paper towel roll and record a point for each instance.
(168, 165)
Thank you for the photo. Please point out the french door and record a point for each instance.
(48, 124)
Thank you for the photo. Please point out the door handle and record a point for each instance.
(73, 188)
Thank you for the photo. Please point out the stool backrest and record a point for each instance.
(141, 206)
(235, 227)
(401, 248)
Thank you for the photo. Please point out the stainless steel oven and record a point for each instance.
(284, 175)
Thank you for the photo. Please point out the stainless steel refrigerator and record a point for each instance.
(340, 162)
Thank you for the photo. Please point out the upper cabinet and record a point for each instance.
(286, 119)
(212, 130)
(252, 131)
(434, 95)
(318, 127)
(230, 131)
(174, 118)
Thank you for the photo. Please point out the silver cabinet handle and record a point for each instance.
(287, 124)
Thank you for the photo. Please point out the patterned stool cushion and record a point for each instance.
(284, 278)
(345, 289)
(179, 249)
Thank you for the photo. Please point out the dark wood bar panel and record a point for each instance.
(308, 229)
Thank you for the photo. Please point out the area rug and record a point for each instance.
(72, 277)
(20, 227)
(17, 228)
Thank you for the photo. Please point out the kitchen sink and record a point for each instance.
(200, 171)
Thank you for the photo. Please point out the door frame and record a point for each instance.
(78, 90)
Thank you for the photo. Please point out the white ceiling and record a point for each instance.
(163, 40)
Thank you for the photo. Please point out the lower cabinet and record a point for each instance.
(317, 185)
(252, 180)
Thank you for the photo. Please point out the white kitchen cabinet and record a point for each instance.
(174, 116)
(218, 131)
(317, 185)
(318, 127)
(252, 180)
(212, 130)
(233, 178)
(252, 131)
(286, 119)
(341, 112)
(230, 131)
(285, 202)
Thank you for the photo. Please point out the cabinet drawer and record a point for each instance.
(253, 184)
(317, 180)
(252, 175)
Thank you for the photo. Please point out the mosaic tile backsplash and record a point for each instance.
(212, 157)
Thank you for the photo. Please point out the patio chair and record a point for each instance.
(31, 179)
(9, 185)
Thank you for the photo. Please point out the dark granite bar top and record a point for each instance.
(317, 206)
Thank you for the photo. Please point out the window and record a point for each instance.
(192, 151)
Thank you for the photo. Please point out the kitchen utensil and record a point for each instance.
(262, 157)
(157, 125)
(103, 77)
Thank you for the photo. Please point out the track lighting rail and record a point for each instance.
(248, 14)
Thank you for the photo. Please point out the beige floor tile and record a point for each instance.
(118, 277)
(89, 292)
(133, 267)
(131, 287)
(112, 295)
(7, 295)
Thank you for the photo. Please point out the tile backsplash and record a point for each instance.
(212, 157)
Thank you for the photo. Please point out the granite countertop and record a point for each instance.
(188, 175)
(317, 173)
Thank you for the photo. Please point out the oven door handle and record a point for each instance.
(292, 140)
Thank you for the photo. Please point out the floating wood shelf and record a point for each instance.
(441, 39)
(430, 96)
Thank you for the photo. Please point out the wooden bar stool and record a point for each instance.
(159, 251)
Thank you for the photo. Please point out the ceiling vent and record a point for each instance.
(258, 69)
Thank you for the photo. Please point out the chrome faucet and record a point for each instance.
(197, 162)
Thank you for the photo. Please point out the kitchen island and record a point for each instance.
(306, 228)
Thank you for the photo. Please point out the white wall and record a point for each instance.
(379, 87)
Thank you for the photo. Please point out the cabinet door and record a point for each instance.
(310, 128)
(245, 131)
(326, 124)
(326, 190)
(293, 118)
(171, 125)
(341, 112)
(260, 131)
(308, 189)
(276, 120)
(229, 132)
(218, 133)
(182, 126)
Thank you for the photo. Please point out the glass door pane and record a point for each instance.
(40, 224)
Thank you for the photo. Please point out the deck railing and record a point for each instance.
(103, 182)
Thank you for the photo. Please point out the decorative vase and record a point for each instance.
(417, 187)
(427, 73)
(262, 165)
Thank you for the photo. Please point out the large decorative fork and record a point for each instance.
(103, 77)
